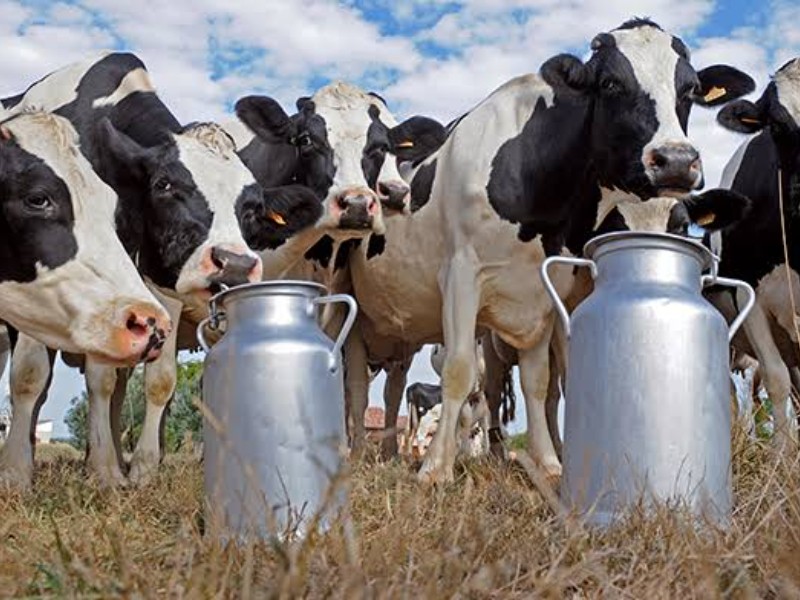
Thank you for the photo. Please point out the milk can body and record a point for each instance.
(647, 412)
(274, 439)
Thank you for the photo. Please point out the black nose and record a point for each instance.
(393, 194)
(234, 269)
(676, 166)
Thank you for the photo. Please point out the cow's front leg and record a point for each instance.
(102, 458)
(534, 371)
(356, 388)
(160, 377)
(459, 315)
(392, 398)
(31, 372)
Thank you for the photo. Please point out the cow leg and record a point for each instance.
(31, 372)
(392, 397)
(459, 315)
(493, 389)
(534, 369)
(775, 374)
(160, 377)
(5, 349)
(356, 388)
(102, 459)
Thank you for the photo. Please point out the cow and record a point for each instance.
(766, 168)
(186, 201)
(542, 164)
(340, 144)
(64, 276)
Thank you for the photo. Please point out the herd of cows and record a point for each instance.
(119, 223)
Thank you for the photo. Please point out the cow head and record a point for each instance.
(179, 205)
(713, 210)
(777, 111)
(340, 143)
(65, 279)
(640, 86)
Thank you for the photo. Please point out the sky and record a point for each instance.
(432, 57)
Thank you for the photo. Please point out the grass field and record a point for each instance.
(490, 534)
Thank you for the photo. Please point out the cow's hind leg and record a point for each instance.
(356, 387)
(31, 373)
(392, 398)
(459, 315)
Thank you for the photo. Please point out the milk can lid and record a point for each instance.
(651, 239)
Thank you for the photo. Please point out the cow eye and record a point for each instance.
(162, 184)
(39, 202)
(611, 86)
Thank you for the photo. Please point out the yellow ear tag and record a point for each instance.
(714, 93)
(276, 217)
(406, 144)
(706, 219)
(749, 120)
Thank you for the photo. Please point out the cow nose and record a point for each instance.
(235, 268)
(357, 209)
(146, 328)
(393, 195)
(674, 166)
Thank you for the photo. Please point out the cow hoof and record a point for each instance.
(143, 469)
(107, 474)
(15, 474)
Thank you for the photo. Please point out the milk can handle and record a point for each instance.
(201, 338)
(734, 283)
(551, 290)
(348, 323)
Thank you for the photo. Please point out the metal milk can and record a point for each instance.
(274, 425)
(647, 389)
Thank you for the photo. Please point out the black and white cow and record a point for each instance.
(64, 276)
(577, 149)
(184, 199)
(766, 168)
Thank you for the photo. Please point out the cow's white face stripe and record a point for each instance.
(651, 215)
(136, 80)
(653, 59)
(220, 175)
(787, 82)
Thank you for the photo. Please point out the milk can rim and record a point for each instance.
(591, 247)
(220, 297)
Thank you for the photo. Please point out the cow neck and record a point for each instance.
(144, 118)
(278, 262)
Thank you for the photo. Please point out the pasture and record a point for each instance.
(490, 534)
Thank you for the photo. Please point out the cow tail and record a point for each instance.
(508, 398)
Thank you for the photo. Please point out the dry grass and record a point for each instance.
(488, 535)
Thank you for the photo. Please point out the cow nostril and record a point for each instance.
(217, 258)
(658, 160)
(135, 326)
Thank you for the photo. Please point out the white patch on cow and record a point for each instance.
(774, 297)
(787, 82)
(609, 200)
(82, 305)
(652, 215)
(58, 88)
(650, 53)
(726, 181)
(209, 155)
(136, 80)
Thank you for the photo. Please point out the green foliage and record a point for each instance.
(183, 415)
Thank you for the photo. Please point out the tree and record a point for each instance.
(183, 414)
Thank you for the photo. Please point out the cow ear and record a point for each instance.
(279, 214)
(720, 84)
(566, 71)
(266, 118)
(717, 209)
(742, 116)
(120, 159)
(416, 137)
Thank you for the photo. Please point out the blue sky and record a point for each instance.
(434, 57)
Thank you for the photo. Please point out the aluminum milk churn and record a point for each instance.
(647, 392)
(273, 395)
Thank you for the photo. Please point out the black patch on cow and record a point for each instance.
(421, 185)
(376, 147)
(639, 22)
(379, 97)
(258, 210)
(36, 215)
(376, 245)
(321, 252)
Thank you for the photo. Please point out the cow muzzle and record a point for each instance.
(394, 195)
(143, 333)
(674, 169)
(356, 209)
(233, 268)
